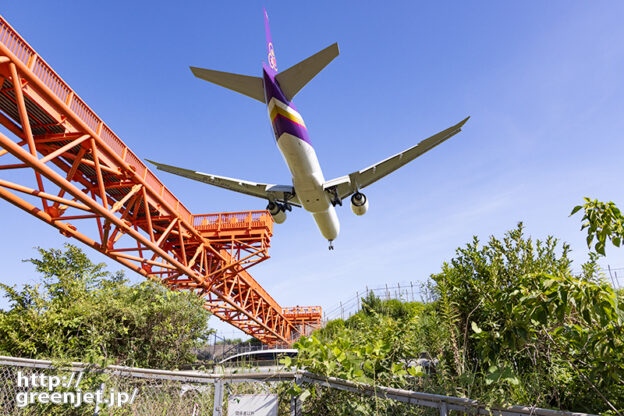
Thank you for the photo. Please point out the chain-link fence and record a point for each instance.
(37, 387)
(405, 292)
(421, 291)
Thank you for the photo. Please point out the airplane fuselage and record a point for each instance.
(309, 188)
(294, 143)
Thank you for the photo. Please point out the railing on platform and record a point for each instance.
(302, 310)
(16, 44)
(260, 220)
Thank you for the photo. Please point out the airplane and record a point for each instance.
(309, 187)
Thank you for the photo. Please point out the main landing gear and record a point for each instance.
(331, 246)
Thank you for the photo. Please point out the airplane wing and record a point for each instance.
(282, 193)
(344, 186)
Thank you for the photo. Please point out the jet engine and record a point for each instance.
(359, 204)
(278, 212)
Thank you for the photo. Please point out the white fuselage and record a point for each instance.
(308, 182)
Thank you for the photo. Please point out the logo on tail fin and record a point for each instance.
(272, 60)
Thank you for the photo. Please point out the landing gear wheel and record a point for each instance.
(331, 246)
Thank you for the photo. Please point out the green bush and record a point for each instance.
(81, 312)
(509, 324)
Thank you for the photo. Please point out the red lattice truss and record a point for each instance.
(79, 177)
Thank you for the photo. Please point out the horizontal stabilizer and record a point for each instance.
(293, 79)
(250, 86)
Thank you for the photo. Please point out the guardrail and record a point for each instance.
(302, 310)
(235, 349)
(188, 378)
(234, 220)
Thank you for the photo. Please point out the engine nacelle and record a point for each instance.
(277, 211)
(359, 203)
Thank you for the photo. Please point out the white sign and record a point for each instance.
(252, 405)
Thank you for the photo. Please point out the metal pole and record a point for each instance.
(357, 295)
(295, 403)
(97, 405)
(412, 286)
(611, 276)
(443, 409)
(217, 409)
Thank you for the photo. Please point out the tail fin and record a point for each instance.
(250, 86)
(293, 79)
(271, 60)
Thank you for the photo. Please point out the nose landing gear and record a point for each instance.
(331, 246)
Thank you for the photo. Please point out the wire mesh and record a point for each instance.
(143, 396)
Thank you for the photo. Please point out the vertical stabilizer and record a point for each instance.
(271, 60)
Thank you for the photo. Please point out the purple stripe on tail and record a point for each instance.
(283, 125)
(271, 60)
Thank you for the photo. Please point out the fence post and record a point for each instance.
(443, 409)
(217, 409)
(97, 405)
(295, 403)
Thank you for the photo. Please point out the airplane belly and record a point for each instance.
(306, 173)
(327, 222)
(300, 156)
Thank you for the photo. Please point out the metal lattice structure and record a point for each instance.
(88, 184)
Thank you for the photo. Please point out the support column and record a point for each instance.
(23, 114)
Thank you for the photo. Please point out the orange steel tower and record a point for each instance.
(87, 183)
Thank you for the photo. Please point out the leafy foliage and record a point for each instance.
(79, 311)
(510, 324)
(603, 221)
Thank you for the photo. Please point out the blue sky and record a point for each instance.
(541, 81)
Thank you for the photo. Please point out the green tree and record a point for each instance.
(532, 331)
(603, 221)
(80, 311)
(510, 324)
